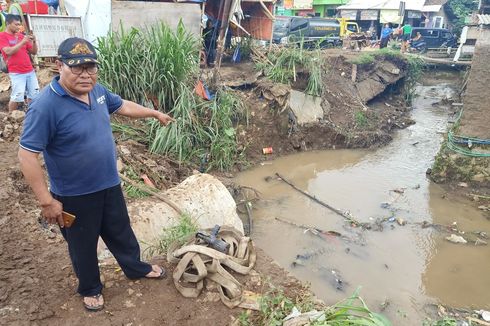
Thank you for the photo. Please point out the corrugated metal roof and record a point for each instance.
(435, 2)
(416, 5)
(484, 19)
(431, 8)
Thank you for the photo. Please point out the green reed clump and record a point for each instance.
(149, 65)
(285, 63)
(201, 128)
(158, 66)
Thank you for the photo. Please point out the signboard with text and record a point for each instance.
(51, 30)
(302, 4)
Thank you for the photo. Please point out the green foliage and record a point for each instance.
(286, 62)
(370, 57)
(149, 65)
(415, 70)
(159, 66)
(460, 9)
(201, 128)
(361, 119)
(363, 59)
(275, 306)
(133, 192)
(176, 234)
(126, 132)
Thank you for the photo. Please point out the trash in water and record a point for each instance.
(301, 258)
(399, 190)
(391, 219)
(456, 239)
(385, 205)
(485, 315)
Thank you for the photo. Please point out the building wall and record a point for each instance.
(141, 13)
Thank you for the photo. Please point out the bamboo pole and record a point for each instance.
(152, 192)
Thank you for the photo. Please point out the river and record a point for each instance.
(401, 269)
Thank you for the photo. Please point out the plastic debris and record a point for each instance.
(456, 239)
(400, 221)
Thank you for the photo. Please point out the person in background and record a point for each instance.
(385, 36)
(210, 35)
(15, 48)
(69, 122)
(406, 32)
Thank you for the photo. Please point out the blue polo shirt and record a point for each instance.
(75, 139)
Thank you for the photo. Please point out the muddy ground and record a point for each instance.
(37, 284)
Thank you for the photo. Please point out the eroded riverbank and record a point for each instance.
(402, 269)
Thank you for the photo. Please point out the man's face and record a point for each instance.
(78, 80)
(14, 26)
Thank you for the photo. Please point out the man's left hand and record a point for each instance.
(164, 118)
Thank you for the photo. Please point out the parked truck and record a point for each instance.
(324, 32)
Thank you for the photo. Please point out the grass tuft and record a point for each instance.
(176, 234)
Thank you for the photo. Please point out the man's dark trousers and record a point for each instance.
(101, 213)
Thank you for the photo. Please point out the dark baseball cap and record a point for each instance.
(76, 51)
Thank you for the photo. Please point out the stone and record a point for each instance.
(17, 115)
(130, 291)
(463, 184)
(306, 108)
(124, 150)
(480, 177)
(129, 304)
(201, 196)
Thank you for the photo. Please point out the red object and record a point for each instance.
(147, 181)
(267, 150)
(34, 7)
(19, 62)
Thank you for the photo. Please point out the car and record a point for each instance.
(436, 37)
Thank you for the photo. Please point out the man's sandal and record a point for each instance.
(98, 306)
(161, 274)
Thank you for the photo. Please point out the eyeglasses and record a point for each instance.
(78, 70)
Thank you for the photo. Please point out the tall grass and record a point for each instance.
(285, 63)
(149, 65)
(157, 66)
(176, 234)
(275, 306)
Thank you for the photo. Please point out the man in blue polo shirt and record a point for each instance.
(69, 122)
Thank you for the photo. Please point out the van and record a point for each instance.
(280, 28)
(436, 37)
(322, 31)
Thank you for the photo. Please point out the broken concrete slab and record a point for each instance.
(306, 108)
(202, 196)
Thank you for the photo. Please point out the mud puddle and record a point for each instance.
(401, 269)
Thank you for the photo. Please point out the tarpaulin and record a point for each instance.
(389, 16)
(96, 16)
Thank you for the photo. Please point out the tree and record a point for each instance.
(459, 10)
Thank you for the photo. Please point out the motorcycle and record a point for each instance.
(418, 46)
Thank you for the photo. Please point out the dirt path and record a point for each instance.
(475, 118)
(38, 287)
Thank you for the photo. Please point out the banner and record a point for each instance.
(302, 4)
(389, 16)
(369, 15)
(349, 14)
(288, 4)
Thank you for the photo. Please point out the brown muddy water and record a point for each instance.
(403, 270)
